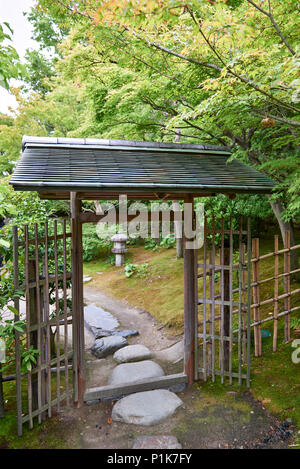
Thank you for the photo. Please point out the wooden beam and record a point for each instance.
(77, 300)
(116, 391)
(143, 195)
(89, 217)
(111, 195)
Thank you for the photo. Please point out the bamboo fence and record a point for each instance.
(281, 303)
(269, 299)
(45, 269)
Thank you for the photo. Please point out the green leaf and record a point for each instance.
(4, 243)
(13, 310)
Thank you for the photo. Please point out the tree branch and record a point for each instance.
(275, 25)
(242, 78)
(279, 119)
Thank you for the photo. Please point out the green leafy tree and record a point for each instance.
(10, 66)
(40, 64)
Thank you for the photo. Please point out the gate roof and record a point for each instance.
(57, 166)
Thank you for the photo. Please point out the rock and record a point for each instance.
(130, 372)
(172, 354)
(132, 353)
(107, 346)
(92, 402)
(98, 333)
(146, 408)
(126, 333)
(98, 318)
(156, 442)
(177, 387)
(86, 278)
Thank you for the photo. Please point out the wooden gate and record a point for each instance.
(42, 264)
(223, 319)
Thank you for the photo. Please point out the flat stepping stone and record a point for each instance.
(99, 333)
(132, 353)
(98, 318)
(130, 372)
(172, 354)
(126, 333)
(156, 442)
(86, 278)
(101, 348)
(146, 408)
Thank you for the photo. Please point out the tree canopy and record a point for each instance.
(218, 72)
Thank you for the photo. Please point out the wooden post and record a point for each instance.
(178, 230)
(33, 334)
(196, 361)
(65, 312)
(276, 272)
(47, 321)
(204, 295)
(249, 255)
(226, 320)
(287, 286)
(240, 280)
(57, 316)
(189, 308)
(17, 334)
(256, 297)
(39, 318)
(28, 323)
(212, 297)
(244, 304)
(2, 410)
(210, 323)
(222, 262)
(77, 301)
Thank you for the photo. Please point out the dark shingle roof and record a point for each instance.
(55, 164)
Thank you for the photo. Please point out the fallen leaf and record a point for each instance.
(267, 400)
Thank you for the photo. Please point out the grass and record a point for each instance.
(51, 434)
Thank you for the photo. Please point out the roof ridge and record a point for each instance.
(69, 141)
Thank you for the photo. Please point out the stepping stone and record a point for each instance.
(126, 333)
(86, 278)
(146, 408)
(132, 353)
(172, 354)
(156, 442)
(99, 333)
(101, 348)
(130, 372)
(99, 318)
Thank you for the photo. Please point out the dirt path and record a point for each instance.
(151, 332)
(231, 420)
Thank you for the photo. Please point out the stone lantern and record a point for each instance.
(119, 247)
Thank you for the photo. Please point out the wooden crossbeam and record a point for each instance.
(116, 391)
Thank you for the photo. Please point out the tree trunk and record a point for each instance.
(278, 208)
